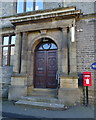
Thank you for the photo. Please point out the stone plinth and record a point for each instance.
(19, 80)
(69, 96)
(68, 82)
(15, 92)
(18, 87)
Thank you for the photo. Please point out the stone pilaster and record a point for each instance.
(64, 52)
(30, 68)
(24, 53)
(17, 53)
(73, 62)
(59, 60)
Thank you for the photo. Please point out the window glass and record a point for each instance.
(5, 54)
(39, 4)
(8, 50)
(46, 46)
(6, 40)
(13, 39)
(12, 55)
(53, 46)
(29, 5)
(40, 48)
(20, 6)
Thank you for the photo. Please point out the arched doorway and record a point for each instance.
(45, 67)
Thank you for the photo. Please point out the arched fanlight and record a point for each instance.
(46, 44)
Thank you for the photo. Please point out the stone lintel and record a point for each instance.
(7, 31)
(44, 25)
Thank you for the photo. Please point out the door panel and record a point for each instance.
(51, 69)
(45, 69)
(40, 69)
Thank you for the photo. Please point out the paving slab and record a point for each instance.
(73, 112)
(40, 104)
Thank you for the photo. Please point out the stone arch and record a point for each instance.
(45, 64)
(37, 40)
(31, 52)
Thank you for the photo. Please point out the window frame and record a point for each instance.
(25, 8)
(9, 48)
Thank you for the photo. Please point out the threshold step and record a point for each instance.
(40, 104)
(40, 99)
(43, 92)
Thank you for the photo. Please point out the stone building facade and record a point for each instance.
(53, 47)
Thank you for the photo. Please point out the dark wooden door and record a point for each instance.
(45, 69)
(51, 68)
(40, 69)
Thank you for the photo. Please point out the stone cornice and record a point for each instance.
(38, 11)
(64, 12)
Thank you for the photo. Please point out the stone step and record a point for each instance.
(44, 89)
(44, 92)
(43, 105)
(40, 99)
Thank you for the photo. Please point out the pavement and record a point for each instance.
(11, 111)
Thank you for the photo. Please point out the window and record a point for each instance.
(29, 5)
(20, 6)
(47, 46)
(8, 45)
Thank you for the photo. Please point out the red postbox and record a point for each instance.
(87, 79)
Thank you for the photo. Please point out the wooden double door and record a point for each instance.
(45, 69)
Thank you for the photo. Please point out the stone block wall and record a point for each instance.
(7, 8)
(52, 5)
(10, 9)
(5, 80)
(86, 50)
(85, 7)
(0, 9)
(85, 45)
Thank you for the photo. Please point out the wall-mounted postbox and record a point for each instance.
(87, 79)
